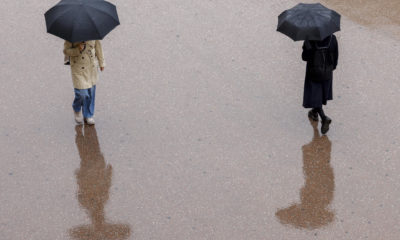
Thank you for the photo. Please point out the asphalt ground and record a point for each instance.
(200, 132)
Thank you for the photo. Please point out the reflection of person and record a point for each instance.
(317, 193)
(85, 57)
(94, 182)
(322, 59)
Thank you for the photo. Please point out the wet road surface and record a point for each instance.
(200, 133)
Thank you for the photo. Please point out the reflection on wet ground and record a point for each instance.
(94, 182)
(376, 13)
(317, 193)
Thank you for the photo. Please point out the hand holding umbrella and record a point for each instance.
(82, 46)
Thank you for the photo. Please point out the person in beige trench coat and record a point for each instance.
(85, 59)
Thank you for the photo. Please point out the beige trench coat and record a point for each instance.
(84, 65)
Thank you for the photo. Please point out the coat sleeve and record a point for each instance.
(306, 55)
(335, 52)
(99, 53)
(70, 51)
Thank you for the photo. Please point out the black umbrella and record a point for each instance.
(308, 22)
(81, 20)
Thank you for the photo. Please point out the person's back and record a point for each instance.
(328, 45)
(322, 59)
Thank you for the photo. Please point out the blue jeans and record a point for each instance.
(84, 99)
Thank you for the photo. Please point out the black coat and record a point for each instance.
(317, 93)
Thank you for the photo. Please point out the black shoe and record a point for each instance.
(313, 115)
(325, 125)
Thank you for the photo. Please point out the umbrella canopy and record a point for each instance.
(81, 20)
(308, 22)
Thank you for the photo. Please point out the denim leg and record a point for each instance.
(92, 94)
(85, 100)
(88, 102)
(81, 99)
(78, 100)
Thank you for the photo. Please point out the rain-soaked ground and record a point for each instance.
(200, 133)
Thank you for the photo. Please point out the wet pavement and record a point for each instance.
(200, 133)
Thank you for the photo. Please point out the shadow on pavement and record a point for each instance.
(94, 182)
(317, 193)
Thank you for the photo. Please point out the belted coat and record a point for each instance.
(85, 64)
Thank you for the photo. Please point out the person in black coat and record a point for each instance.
(318, 88)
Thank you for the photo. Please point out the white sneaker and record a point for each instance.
(78, 117)
(89, 121)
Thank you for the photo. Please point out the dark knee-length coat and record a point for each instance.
(317, 93)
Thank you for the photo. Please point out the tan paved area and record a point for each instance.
(200, 133)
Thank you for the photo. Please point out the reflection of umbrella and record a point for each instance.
(81, 20)
(308, 22)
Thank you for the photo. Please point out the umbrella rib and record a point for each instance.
(297, 14)
(59, 17)
(91, 19)
(56, 19)
(318, 13)
(72, 30)
(330, 19)
(285, 18)
(317, 28)
(322, 15)
(298, 32)
(100, 10)
(334, 21)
